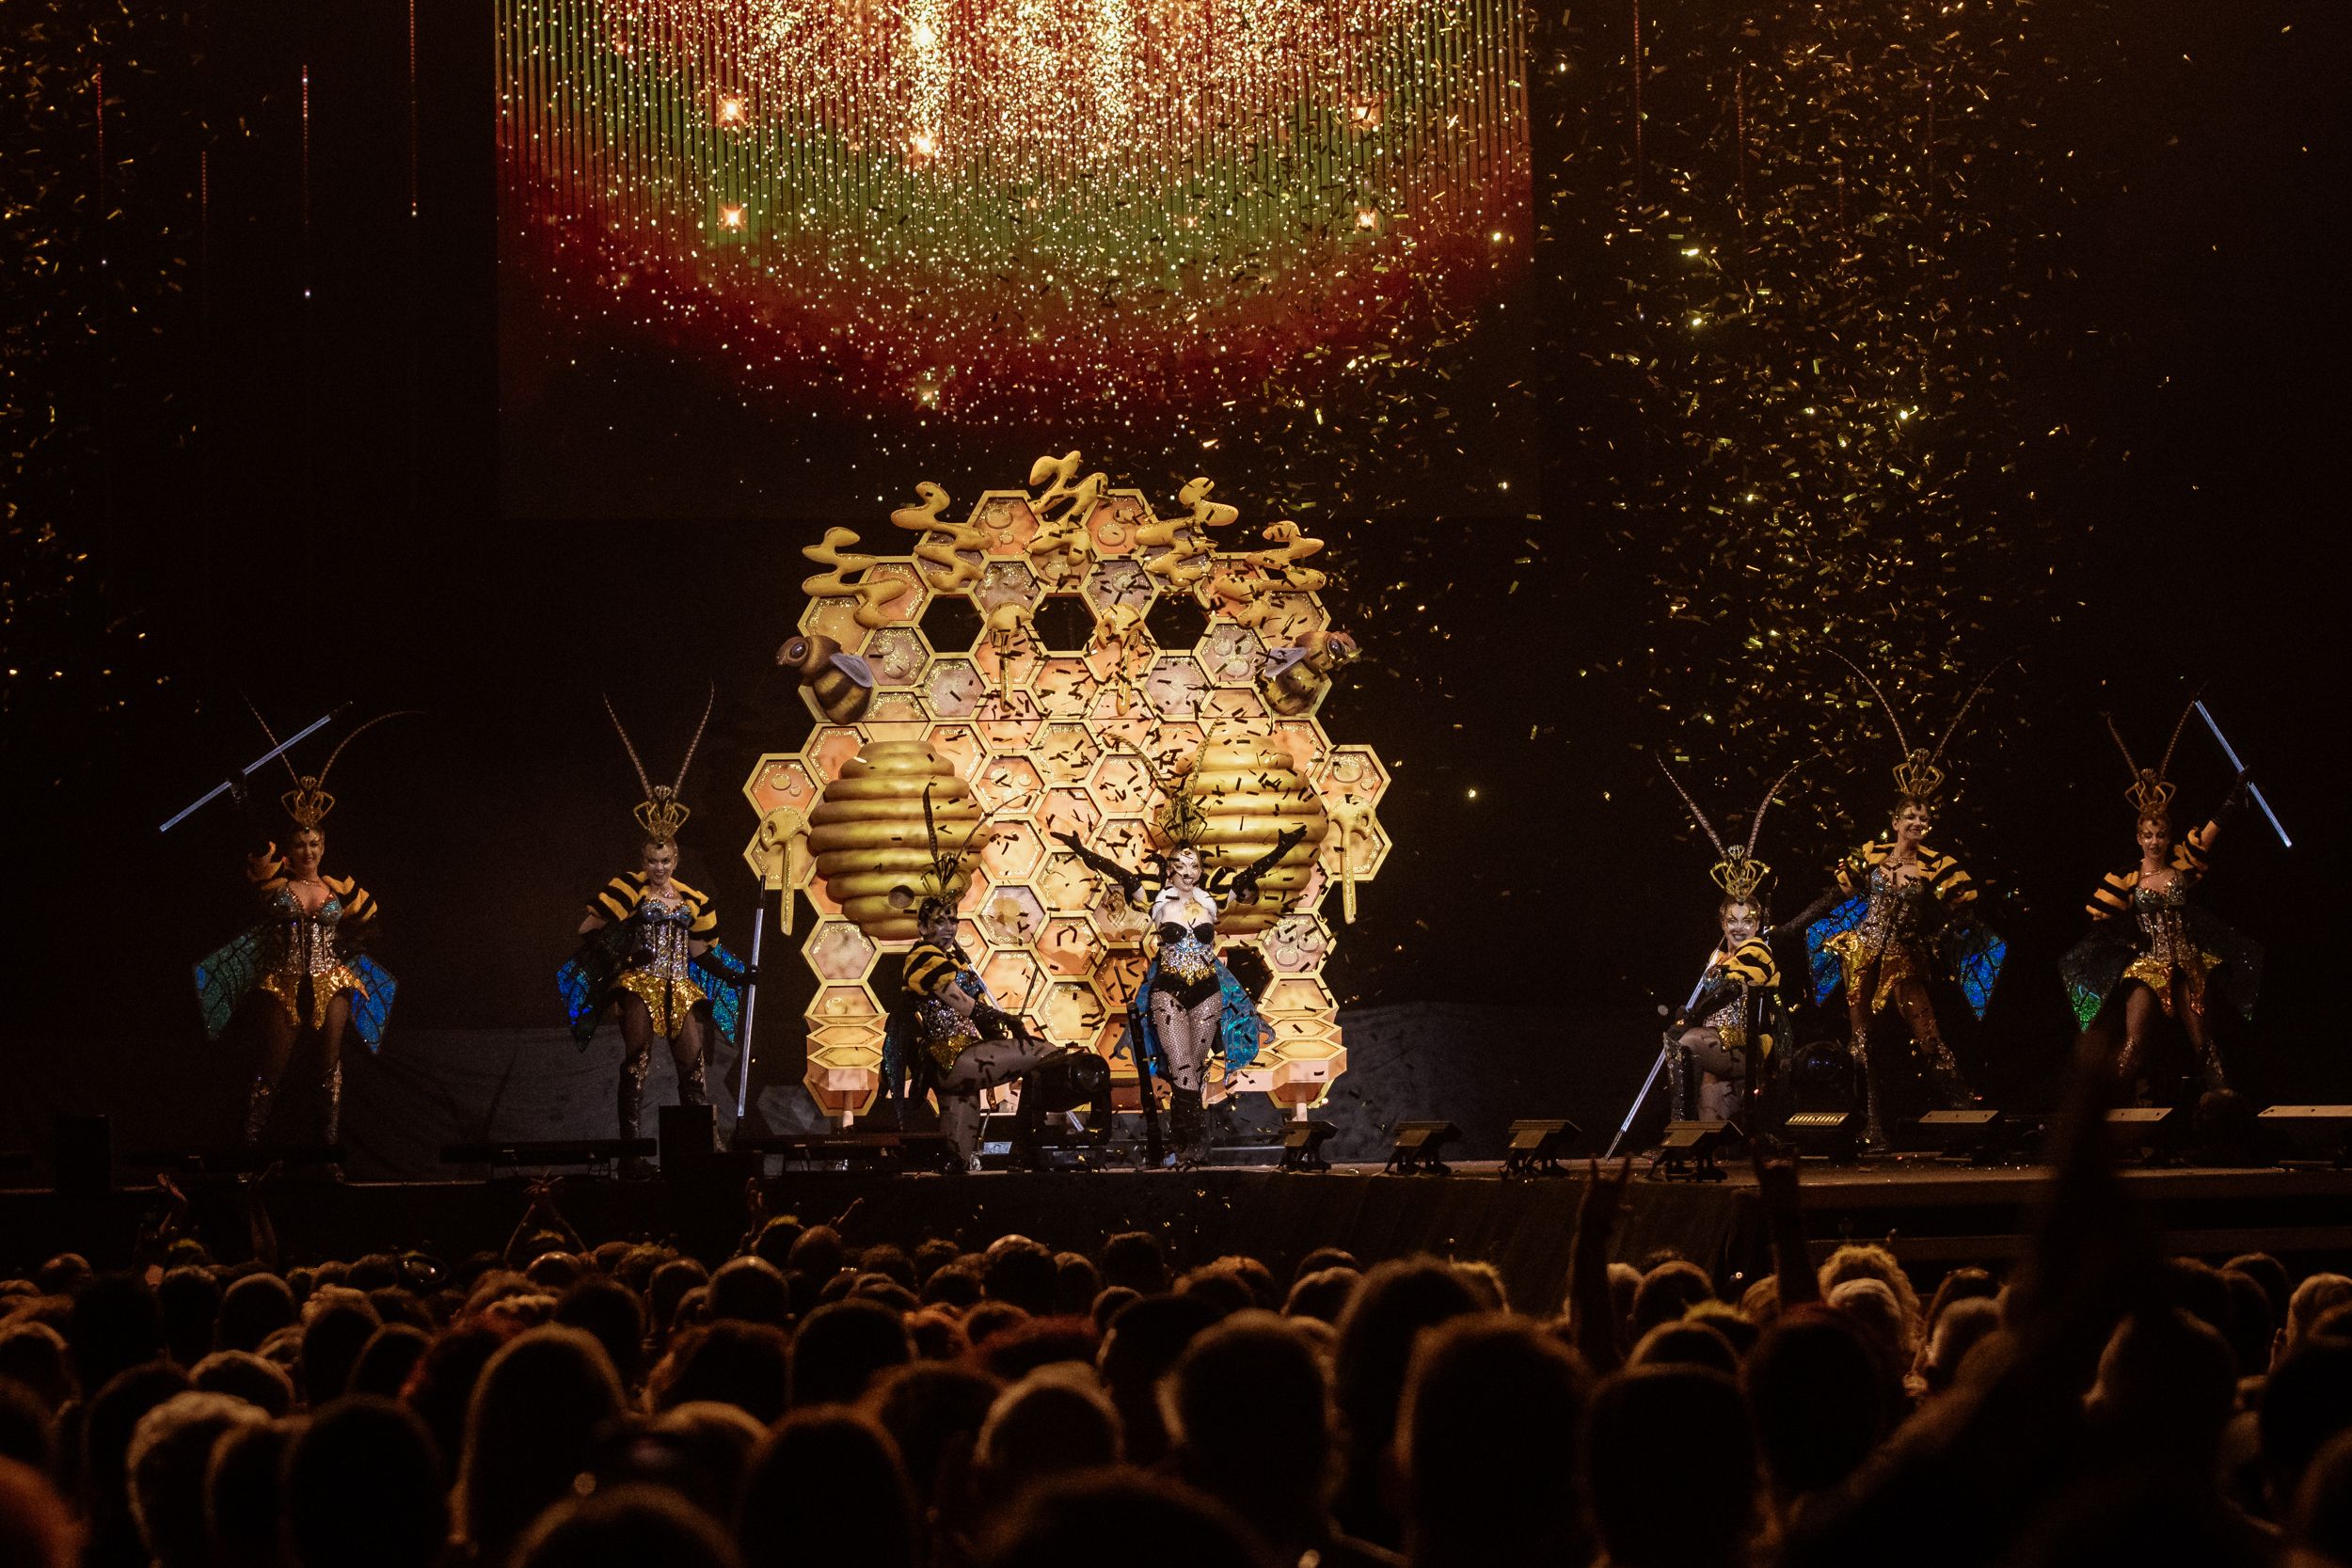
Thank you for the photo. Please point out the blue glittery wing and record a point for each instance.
(2093, 968)
(585, 981)
(1821, 962)
(725, 971)
(371, 1012)
(1974, 953)
(223, 977)
(1243, 1032)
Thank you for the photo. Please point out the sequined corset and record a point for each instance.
(1188, 952)
(665, 933)
(302, 942)
(2163, 915)
(1897, 918)
(1732, 1014)
(945, 1031)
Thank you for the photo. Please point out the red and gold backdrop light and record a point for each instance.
(997, 208)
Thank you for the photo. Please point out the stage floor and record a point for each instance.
(1936, 1215)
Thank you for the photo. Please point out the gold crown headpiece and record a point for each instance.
(2151, 792)
(1919, 776)
(307, 802)
(1738, 872)
(661, 813)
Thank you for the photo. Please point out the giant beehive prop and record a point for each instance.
(1056, 661)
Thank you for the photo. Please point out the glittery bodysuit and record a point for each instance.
(1892, 934)
(660, 973)
(2163, 917)
(1187, 954)
(945, 1033)
(301, 951)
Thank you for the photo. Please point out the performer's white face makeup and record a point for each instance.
(1912, 824)
(2156, 836)
(1740, 922)
(661, 860)
(1183, 870)
(304, 851)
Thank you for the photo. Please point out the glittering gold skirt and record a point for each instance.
(669, 1001)
(2156, 972)
(325, 987)
(1894, 965)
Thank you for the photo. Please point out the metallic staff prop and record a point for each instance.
(2251, 787)
(263, 760)
(1654, 1068)
(751, 1002)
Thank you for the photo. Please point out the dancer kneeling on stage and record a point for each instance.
(304, 959)
(1727, 1029)
(649, 951)
(968, 1044)
(2153, 952)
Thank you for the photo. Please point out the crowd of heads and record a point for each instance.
(816, 1401)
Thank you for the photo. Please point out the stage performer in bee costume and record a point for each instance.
(647, 949)
(953, 1037)
(1727, 1031)
(1902, 931)
(2151, 952)
(1189, 1001)
(304, 959)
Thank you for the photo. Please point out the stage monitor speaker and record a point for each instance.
(1830, 1135)
(689, 1139)
(1974, 1135)
(2307, 1133)
(1417, 1144)
(2151, 1131)
(1687, 1150)
(1302, 1144)
(1535, 1147)
(82, 1155)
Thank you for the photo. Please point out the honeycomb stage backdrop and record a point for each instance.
(483, 357)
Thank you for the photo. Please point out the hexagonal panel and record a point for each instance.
(1007, 659)
(830, 751)
(1305, 741)
(781, 781)
(1063, 688)
(1118, 975)
(1232, 713)
(1074, 1012)
(837, 618)
(1067, 946)
(1113, 523)
(1008, 521)
(1123, 786)
(1116, 923)
(837, 950)
(1067, 753)
(1006, 583)
(907, 609)
(1288, 617)
(1070, 811)
(1175, 685)
(1231, 654)
(1297, 944)
(896, 707)
(1014, 978)
(1012, 852)
(842, 1005)
(959, 746)
(1118, 581)
(1066, 884)
(1298, 993)
(955, 687)
(897, 656)
(1353, 773)
(1007, 784)
(1011, 917)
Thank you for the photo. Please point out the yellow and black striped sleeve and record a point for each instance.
(1950, 882)
(2113, 895)
(358, 902)
(266, 871)
(2192, 853)
(1853, 872)
(705, 918)
(1752, 964)
(618, 898)
(930, 969)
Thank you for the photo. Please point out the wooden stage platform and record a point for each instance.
(1936, 1215)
